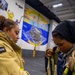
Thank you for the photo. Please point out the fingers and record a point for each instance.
(49, 53)
(69, 62)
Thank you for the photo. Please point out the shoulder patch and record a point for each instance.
(2, 49)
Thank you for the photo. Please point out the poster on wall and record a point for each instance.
(35, 29)
(12, 9)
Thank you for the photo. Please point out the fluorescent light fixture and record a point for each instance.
(57, 5)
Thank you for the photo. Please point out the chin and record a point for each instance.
(15, 41)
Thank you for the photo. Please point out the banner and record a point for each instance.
(35, 29)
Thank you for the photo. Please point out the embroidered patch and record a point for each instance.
(2, 49)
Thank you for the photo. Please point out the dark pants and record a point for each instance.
(46, 63)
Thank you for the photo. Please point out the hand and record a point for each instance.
(49, 53)
(69, 62)
(23, 61)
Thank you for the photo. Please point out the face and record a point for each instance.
(63, 45)
(13, 33)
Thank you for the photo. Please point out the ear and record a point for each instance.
(5, 29)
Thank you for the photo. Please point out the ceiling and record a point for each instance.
(66, 11)
(39, 6)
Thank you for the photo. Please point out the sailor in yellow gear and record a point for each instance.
(10, 53)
